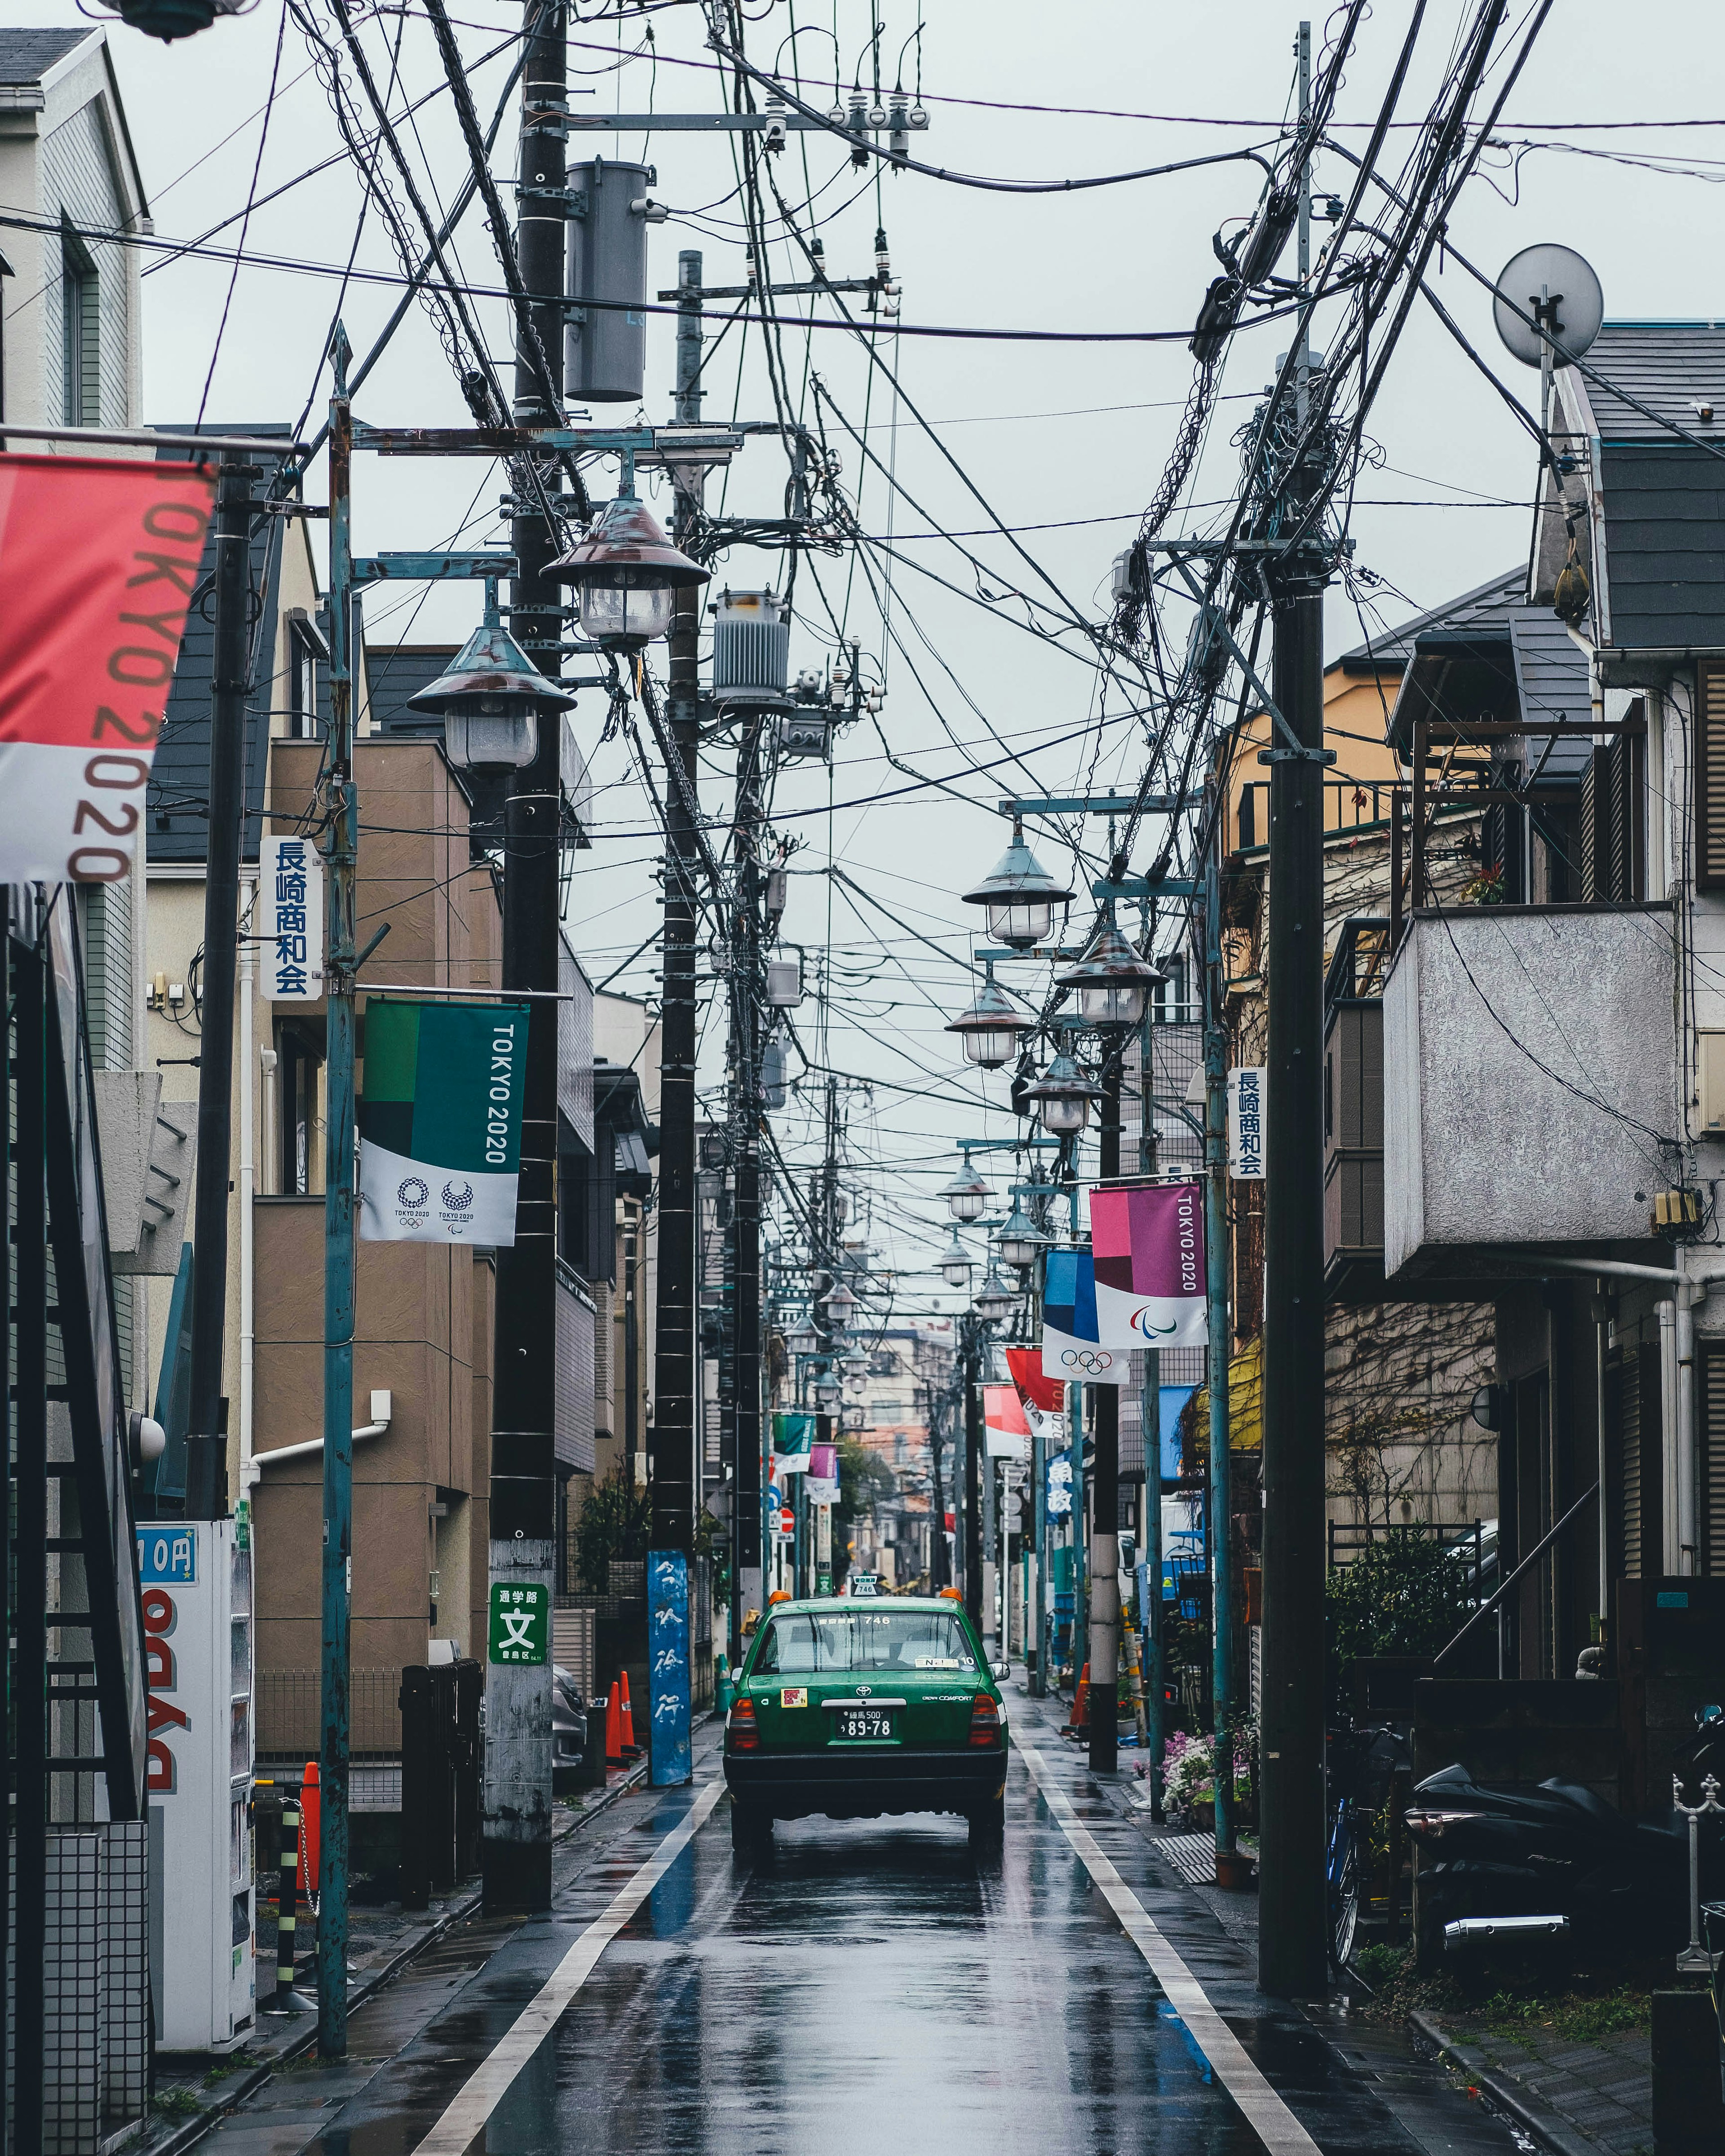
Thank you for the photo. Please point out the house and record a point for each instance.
(1553, 1044)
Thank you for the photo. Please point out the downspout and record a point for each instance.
(1687, 1538)
(1602, 1322)
(248, 1145)
(1668, 1426)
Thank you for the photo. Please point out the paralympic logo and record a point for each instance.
(1140, 1323)
(1087, 1358)
(458, 1197)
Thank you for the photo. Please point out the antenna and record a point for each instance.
(1548, 307)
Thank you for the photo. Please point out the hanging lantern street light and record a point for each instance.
(1112, 982)
(955, 1263)
(967, 1195)
(839, 1302)
(802, 1339)
(827, 1389)
(991, 1027)
(1019, 1240)
(491, 698)
(1020, 896)
(994, 1299)
(627, 575)
(1062, 1097)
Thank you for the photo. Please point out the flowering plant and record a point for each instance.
(1189, 1770)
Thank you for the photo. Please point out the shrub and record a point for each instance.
(1402, 1594)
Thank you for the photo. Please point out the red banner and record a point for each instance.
(98, 561)
(1035, 1390)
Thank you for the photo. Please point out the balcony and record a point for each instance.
(1353, 1112)
(1529, 1076)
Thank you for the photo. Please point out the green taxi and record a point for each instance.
(859, 1708)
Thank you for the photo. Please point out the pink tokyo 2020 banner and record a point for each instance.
(1148, 1244)
(98, 562)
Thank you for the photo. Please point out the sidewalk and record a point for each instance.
(1574, 2073)
(193, 2092)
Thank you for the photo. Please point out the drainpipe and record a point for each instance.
(1669, 1409)
(1602, 1323)
(247, 1147)
(1689, 1293)
(383, 1407)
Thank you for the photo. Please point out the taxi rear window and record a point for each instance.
(906, 1640)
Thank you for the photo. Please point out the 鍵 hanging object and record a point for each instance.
(1148, 1243)
(440, 1123)
(98, 562)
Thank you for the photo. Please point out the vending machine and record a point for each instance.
(196, 1577)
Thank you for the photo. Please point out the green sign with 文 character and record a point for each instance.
(521, 1624)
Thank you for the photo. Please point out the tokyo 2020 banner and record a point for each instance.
(440, 1121)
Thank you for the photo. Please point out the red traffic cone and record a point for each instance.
(311, 1827)
(631, 1750)
(613, 1722)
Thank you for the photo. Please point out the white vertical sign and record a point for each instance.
(1245, 1124)
(288, 925)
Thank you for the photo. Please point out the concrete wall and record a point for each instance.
(1530, 1070)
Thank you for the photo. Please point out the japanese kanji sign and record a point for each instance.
(521, 1623)
(288, 922)
(1246, 1123)
(98, 561)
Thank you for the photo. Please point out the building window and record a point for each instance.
(299, 1068)
(302, 684)
(1172, 1006)
(80, 334)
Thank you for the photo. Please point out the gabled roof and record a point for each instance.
(396, 671)
(1486, 608)
(26, 56)
(1669, 368)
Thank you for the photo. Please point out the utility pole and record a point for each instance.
(1215, 1244)
(1292, 1958)
(207, 1445)
(673, 1434)
(516, 1855)
(973, 1468)
(1105, 1493)
(1150, 1421)
(341, 854)
(746, 1218)
(938, 1568)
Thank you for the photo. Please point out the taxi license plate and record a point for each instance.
(864, 1724)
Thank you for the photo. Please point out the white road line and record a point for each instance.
(486, 2087)
(1270, 2118)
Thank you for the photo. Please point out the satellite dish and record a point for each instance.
(1558, 288)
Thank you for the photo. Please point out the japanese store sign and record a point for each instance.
(288, 922)
(1245, 1124)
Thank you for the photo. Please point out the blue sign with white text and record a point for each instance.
(167, 1556)
(668, 1646)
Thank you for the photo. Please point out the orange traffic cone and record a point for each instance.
(613, 1722)
(311, 1827)
(1080, 1702)
(631, 1750)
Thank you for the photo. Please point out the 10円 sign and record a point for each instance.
(521, 1624)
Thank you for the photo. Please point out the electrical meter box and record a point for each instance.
(196, 1579)
(605, 342)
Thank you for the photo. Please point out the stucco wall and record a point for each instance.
(1529, 1071)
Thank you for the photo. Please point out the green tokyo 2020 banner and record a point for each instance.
(441, 1124)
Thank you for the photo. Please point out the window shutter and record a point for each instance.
(1629, 1462)
(1711, 1464)
(1591, 790)
(1709, 778)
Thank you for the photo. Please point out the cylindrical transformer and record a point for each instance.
(605, 341)
(784, 983)
(751, 648)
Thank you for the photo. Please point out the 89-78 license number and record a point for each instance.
(864, 1724)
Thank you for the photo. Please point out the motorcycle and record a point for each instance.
(1560, 1856)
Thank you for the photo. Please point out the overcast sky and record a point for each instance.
(1063, 441)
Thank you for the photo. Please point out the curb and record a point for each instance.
(195, 2129)
(1547, 2127)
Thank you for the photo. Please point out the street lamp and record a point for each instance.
(991, 1027)
(490, 699)
(1019, 1240)
(1062, 1097)
(955, 1263)
(967, 1195)
(839, 1302)
(1020, 896)
(1112, 982)
(827, 1389)
(995, 1298)
(627, 575)
(802, 1339)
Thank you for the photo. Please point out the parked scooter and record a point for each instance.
(1561, 1852)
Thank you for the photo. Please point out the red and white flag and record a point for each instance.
(1007, 1431)
(1044, 1397)
(98, 561)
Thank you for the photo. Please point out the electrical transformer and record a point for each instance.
(605, 342)
(752, 649)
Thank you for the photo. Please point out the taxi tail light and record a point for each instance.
(742, 1729)
(984, 1720)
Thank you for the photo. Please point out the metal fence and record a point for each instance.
(290, 1711)
(1474, 1540)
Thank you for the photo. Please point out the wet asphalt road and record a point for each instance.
(868, 1985)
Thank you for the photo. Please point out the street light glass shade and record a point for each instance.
(994, 1299)
(1112, 1003)
(802, 1339)
(840, 1302)
(827, 1388)
(967, 1204)
(1021, 923)
(992, 1048)
(504, 739)
(626, 617)
(956, 1274)
(1064, 1114)
(1018, 1241)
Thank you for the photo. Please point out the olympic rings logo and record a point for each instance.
(1086, 1358)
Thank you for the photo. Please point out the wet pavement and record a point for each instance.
(868, 1981)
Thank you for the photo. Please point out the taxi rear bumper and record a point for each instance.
(843, 1782)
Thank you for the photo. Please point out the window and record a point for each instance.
(80, 334)
(302, 684)
(1170, 1006)
(866, 1641)
(299, 1070)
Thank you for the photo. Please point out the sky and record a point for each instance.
(1061, 442)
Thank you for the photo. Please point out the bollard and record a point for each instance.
(286, 1999)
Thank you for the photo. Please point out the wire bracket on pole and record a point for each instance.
(1299, 755)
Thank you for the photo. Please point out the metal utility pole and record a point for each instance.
(1215, 1244)
(1150, 1421)
(515, 1852)
(206, 1443)
(973, 1468)
(341, 856)
(938, 1568)
(1292, 1958)
(1105, 1495)
(672, 1445)
(746, 1218)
